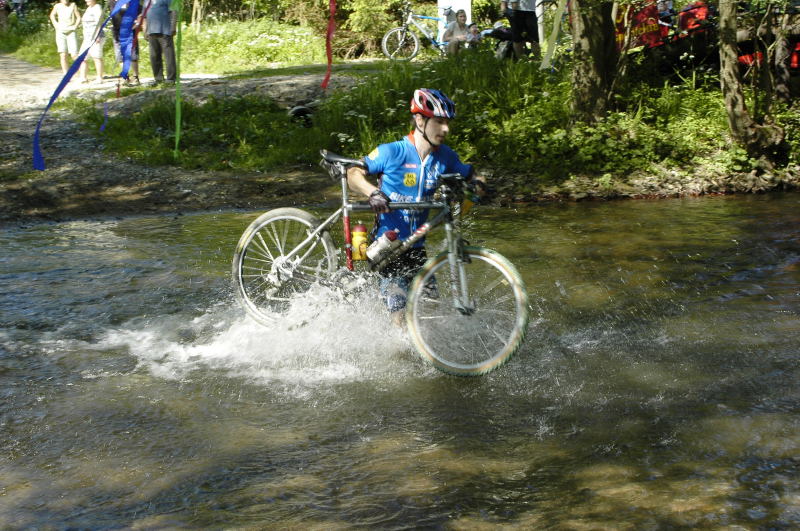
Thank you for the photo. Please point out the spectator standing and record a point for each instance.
(522, 17)
(19, 8)
(93, 40)
(160, 25)
(116, 23)
(455, 34)
(65, 19)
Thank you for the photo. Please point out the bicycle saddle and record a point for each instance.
(338, 159)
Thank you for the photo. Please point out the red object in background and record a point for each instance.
(645, 29)
(328, 46)
(794, 62)
(750, 58)
(693, 17)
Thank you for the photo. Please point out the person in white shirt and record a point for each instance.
(65, 19)
(93, 40)
(455, 34)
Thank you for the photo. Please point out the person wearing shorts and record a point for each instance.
(524, 26)
(93, 40)
(65, 19)
(409, 171)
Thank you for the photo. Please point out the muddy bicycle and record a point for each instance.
(471, 323)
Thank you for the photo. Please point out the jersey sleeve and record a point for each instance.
(378, 157)
(454, 164)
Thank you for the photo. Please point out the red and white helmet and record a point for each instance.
(431, 102)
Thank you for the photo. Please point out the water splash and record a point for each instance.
(324, 338)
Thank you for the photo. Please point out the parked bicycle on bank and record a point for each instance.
(403, 43)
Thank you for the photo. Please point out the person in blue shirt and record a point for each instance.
(408, 171)
(160, 26)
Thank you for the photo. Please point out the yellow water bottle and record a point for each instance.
(359, 241)
(470, 198)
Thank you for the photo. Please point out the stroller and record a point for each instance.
(504, 48)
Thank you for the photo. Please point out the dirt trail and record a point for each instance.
(82, 181)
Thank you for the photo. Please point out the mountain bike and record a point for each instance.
(402, 43)
(467, 308)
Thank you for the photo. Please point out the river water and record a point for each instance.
(659, 385)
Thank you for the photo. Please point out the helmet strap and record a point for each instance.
(423, 130)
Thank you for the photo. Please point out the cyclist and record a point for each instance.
(408, 171)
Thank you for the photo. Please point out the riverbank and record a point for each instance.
(84, 181)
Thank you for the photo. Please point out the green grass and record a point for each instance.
(512, 117)
(219, 48)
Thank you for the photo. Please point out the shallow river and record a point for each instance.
(659, 386)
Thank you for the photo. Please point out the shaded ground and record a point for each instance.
(81, 180)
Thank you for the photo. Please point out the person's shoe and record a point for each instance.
(135, 81)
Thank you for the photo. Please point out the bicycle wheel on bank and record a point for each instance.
(400, 44)
(266, 279)
(479, 342)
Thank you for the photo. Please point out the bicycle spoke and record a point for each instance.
(473, 342)
(267, 274)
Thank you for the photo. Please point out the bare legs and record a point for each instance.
(64, 63)
(98, 67)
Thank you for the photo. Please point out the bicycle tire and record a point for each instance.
(468, 345)
(400, 44)
(265, 281)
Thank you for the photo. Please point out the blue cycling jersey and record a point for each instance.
(405, 178)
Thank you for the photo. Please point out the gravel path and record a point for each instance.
(81, 180)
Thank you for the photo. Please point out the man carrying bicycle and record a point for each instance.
(409, 170)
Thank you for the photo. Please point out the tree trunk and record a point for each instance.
(198, 13)
(594, 59)
(762, 141)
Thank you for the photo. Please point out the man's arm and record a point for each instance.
(357, 181)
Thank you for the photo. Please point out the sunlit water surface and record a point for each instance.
(658, 386)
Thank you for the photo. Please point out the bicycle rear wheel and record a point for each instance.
(266, 278)
(400, 44)
(468, 343)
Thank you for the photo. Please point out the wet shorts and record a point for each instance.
(397, 277)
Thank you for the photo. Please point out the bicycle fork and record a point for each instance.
(457, 258)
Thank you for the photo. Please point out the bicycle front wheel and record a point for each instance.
(266, 278)
(401, 44)
(475, 341)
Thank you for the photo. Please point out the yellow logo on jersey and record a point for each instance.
(374, 154)
(410, 179)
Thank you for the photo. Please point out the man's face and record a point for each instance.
(436, 129)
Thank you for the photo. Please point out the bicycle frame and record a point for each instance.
(412, 20)
(456, 256)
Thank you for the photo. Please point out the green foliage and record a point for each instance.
(485, 12)
(512, 118)
(248, 133)
(236, 46)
